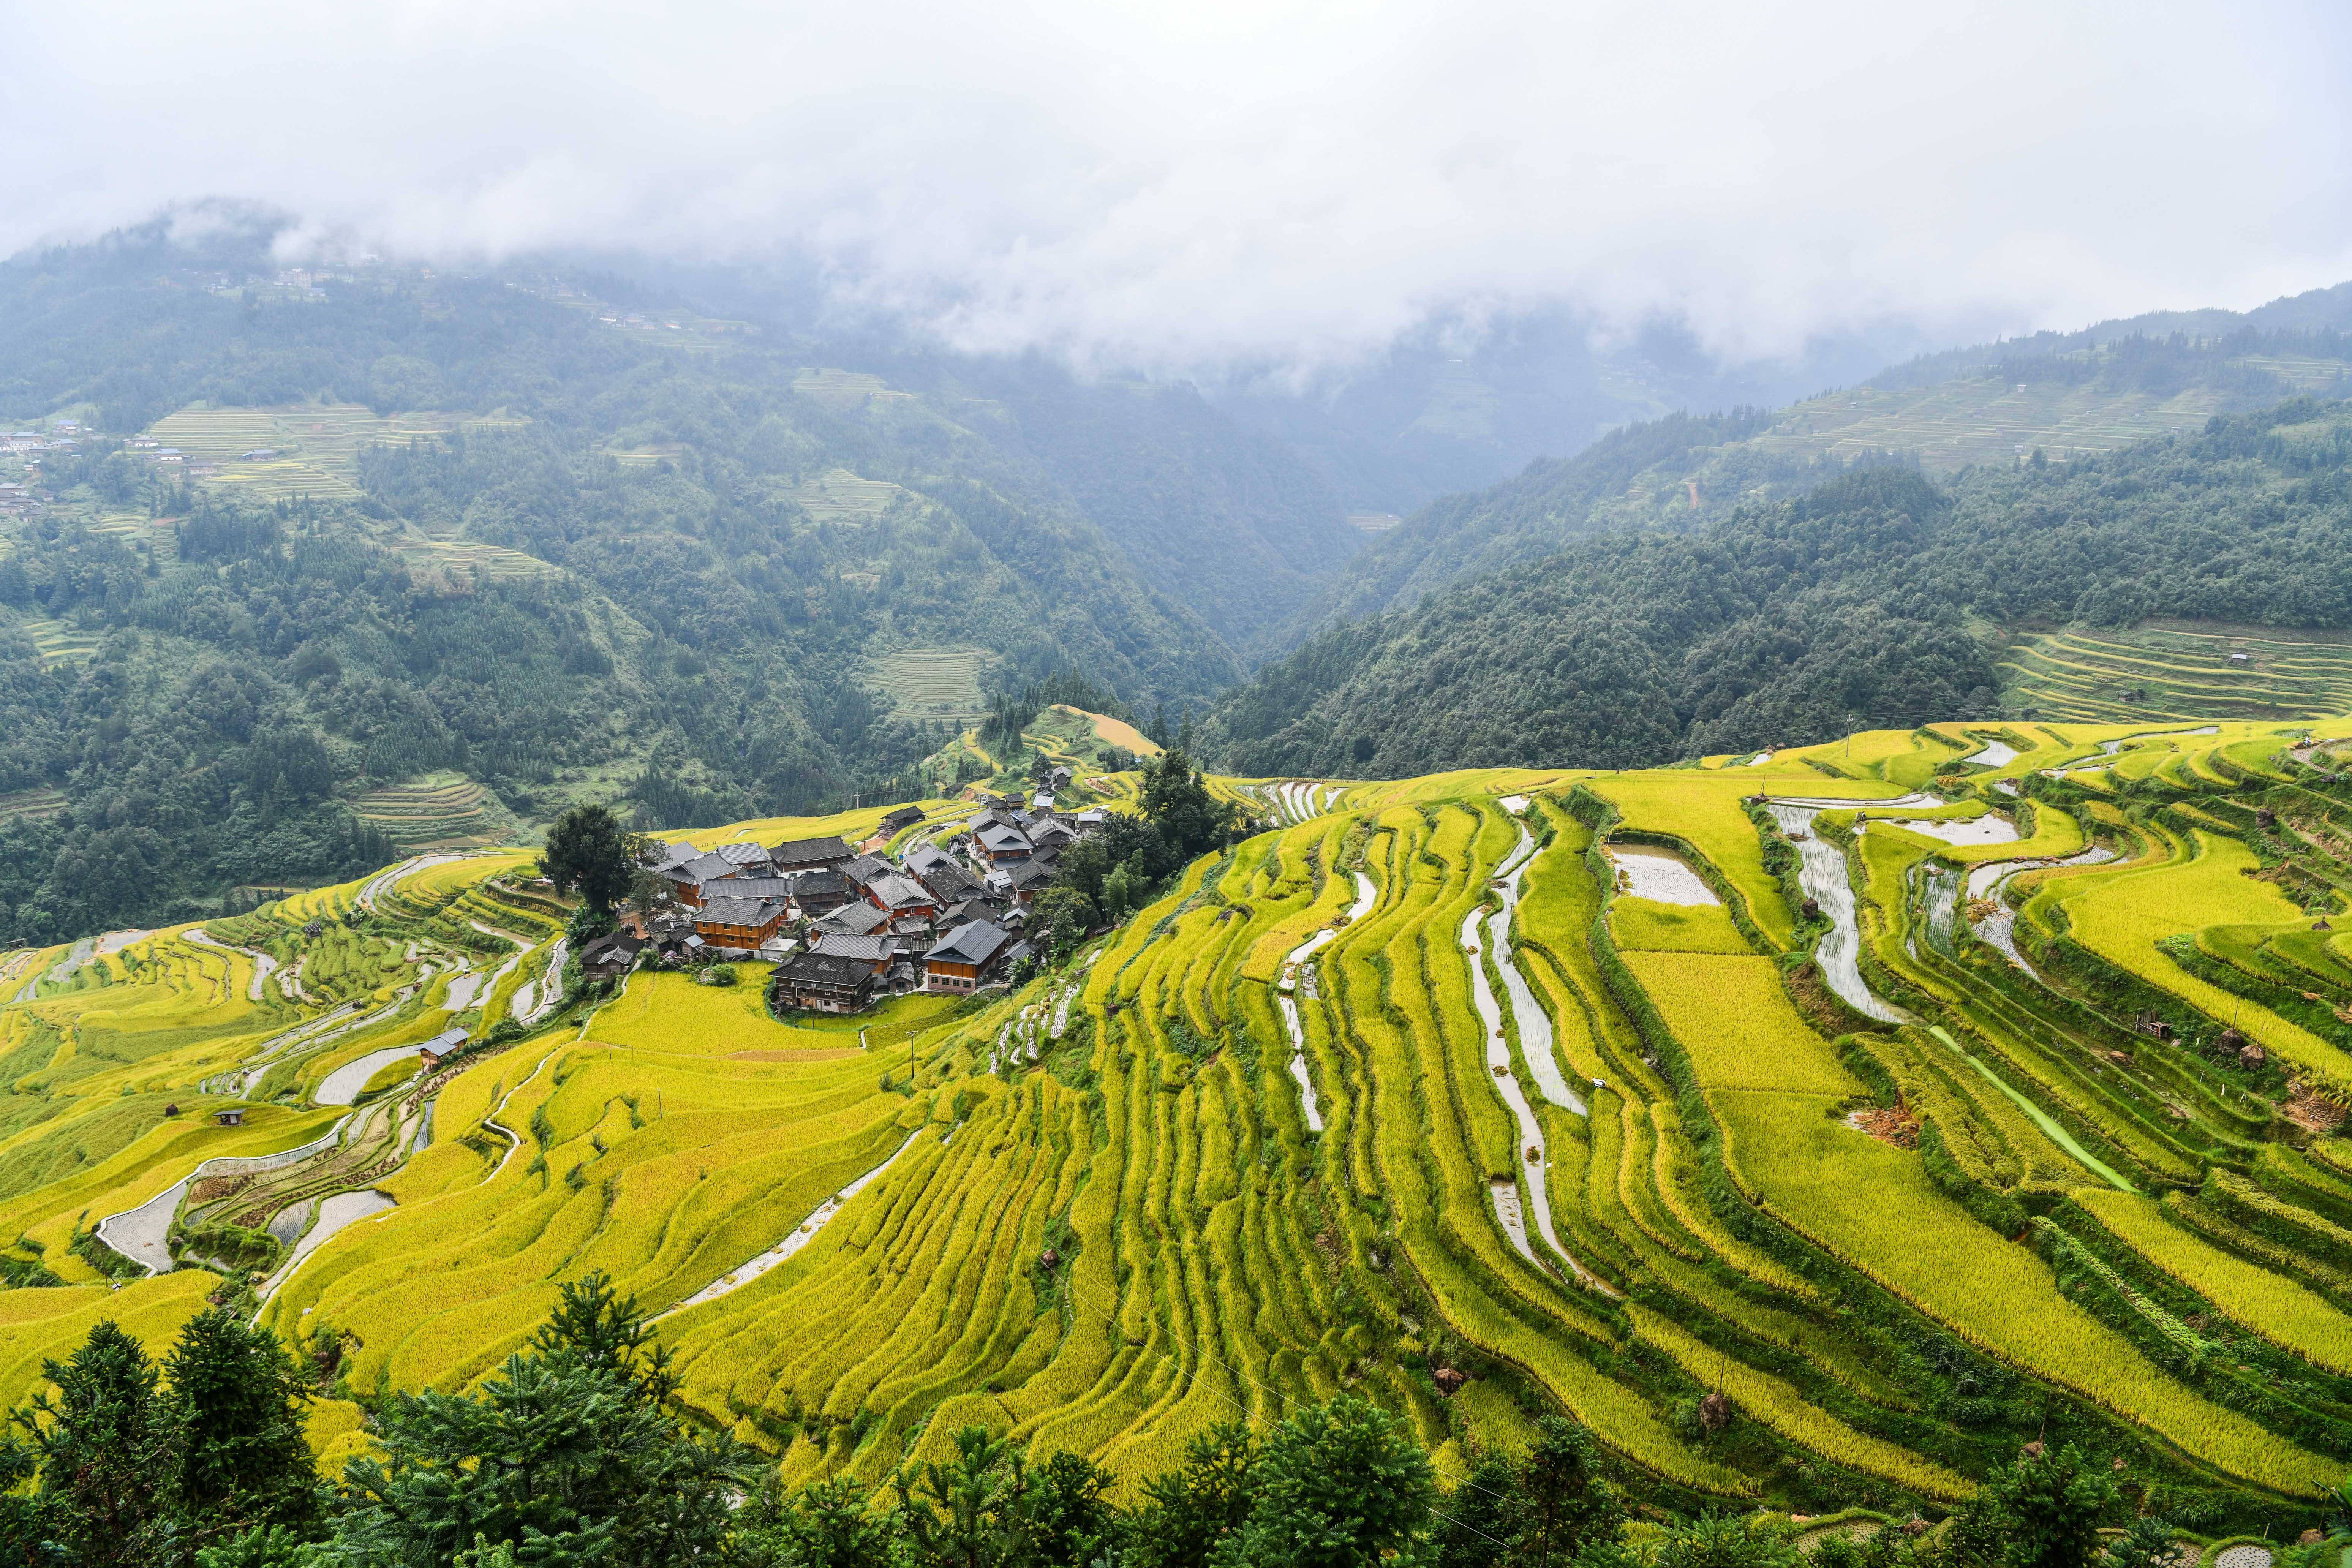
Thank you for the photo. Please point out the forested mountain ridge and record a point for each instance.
(1857, 605)
(680, 568)
(2070, 394)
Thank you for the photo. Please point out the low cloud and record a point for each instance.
(1198, 186)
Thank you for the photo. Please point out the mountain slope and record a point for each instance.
(1226, 521)
(560, 544)
(2072, 395)
(1791, 621)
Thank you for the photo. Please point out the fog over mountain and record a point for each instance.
(1253, 192)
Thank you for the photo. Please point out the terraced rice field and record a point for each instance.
(934, 683)
(316, 445)
(1415, 1081)
(32, 803)
(136, 529)
(845, 388)
(1956, 423)
(440, 812)
(57, 641)
(461, 559)
(2082, 677)
(839, 496)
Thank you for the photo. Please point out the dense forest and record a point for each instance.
(1789, 622)
(684, 621)
(1682, 471)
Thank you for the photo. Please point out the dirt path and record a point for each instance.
(801, 1236)
(514, 1139)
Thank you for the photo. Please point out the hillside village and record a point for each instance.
(846, 926)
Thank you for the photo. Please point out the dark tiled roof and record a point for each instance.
(617, 944)
(1029, 874)
(950, 881)
(865, 949)
(754, 887)
(897, 891)
(738, 912)
(808, 852)
(975, 943)
(662, 856)
(822, 968)
(922, 858)
(854, 919)
(744, 855)
(704, 869)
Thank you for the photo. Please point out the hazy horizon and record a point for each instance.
(1291, 189)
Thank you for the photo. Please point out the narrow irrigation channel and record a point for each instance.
(1298, 974)
(1822, 872)
(1515, 1200)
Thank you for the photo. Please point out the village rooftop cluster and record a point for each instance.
(846, 926)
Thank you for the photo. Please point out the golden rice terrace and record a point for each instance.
(1922, 1095)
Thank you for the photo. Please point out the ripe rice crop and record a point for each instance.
(2122, 914)
(1737, 1024)
(1644, 925)
(1875, 1207)
(2278, 1309)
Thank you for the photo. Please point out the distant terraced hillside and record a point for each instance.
(2087, 402)
(2120, 677)
(316, 446)
(439, 812)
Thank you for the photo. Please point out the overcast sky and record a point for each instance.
(1191, 183)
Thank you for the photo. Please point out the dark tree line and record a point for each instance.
(576, 1452)
(1794, 622)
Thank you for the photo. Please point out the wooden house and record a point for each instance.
(809, 854)
(739, 925)
(965, 958)
(822, 982)
(900, 896)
